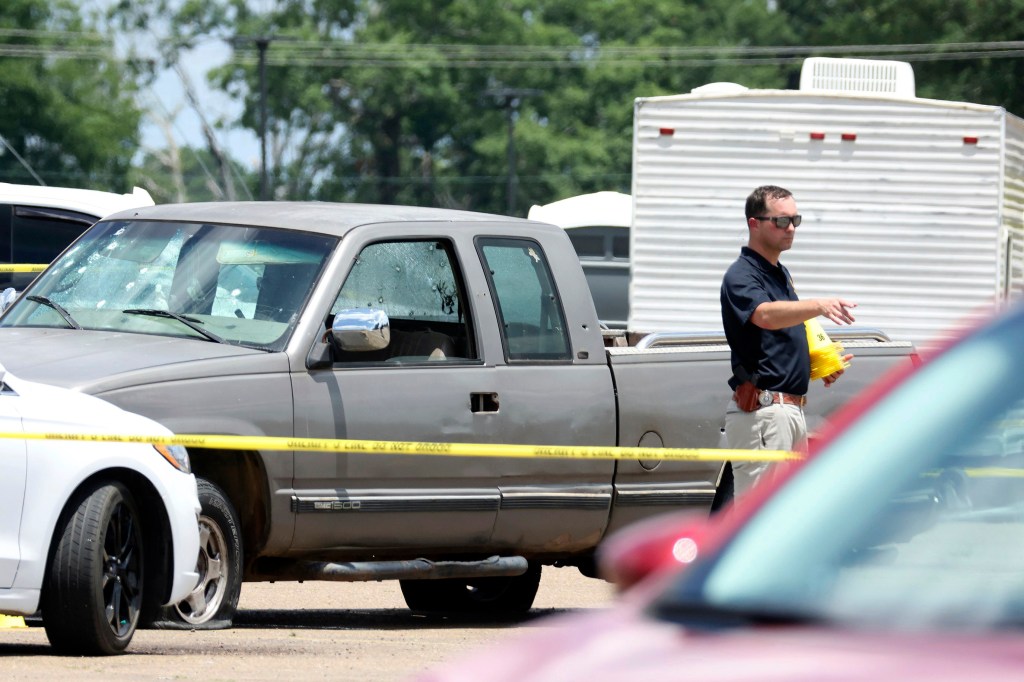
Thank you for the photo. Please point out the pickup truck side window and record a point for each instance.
(419, 285)
(533, 326)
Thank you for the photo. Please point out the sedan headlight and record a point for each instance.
(177, 455)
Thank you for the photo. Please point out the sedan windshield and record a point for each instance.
(912, 518)
(215, 283)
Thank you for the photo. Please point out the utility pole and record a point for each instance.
(509, 99)
(262, 43)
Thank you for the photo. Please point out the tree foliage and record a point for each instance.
(405, 101)
(68, 116)
(416, 101)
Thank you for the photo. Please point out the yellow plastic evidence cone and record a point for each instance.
(826, 356)
(9, 622)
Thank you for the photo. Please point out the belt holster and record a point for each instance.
(746, 396)
(747, 393)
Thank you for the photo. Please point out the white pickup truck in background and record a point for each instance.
(598, 227)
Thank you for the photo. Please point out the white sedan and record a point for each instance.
(95, 535)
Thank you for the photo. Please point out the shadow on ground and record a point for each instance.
(377, 619)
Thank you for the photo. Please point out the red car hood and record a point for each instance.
(621, 645)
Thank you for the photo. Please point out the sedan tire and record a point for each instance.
(93, 591)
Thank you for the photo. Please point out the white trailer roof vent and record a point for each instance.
(719, 88)
(872, 76)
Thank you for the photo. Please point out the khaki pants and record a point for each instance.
(776, 427)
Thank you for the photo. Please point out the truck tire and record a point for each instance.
(93, 590)
(213, 602)
(500, 596)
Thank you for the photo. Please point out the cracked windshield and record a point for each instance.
(218, 283)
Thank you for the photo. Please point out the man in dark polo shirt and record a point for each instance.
(763, 320)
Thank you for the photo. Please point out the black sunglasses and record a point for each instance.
(782, 222)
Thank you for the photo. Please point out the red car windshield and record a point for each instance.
(912, 517)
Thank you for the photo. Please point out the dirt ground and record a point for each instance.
(302, 631)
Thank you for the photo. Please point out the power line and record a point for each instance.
(518, 50)
(50, 33)
(407, 62)
(337, 53)
(402, 50)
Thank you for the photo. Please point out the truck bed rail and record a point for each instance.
(662, 339)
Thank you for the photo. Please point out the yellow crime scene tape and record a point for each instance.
(994, 472)
(388, 447)
(11, 622)
(405, 447)
(23, 267)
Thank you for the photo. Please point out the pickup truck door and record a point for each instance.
(12, 488)
(548, 394)
(425, 386)
(534, 390)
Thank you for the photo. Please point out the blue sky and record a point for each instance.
(166, 99)
(164, 103)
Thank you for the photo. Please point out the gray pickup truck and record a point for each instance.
(313, 320)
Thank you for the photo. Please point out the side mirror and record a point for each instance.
(7, 297)
(667, 541)
(361, 329)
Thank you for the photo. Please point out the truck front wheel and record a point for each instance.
(213, 602)
(499, 596)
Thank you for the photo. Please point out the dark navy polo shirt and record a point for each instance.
(780, 356)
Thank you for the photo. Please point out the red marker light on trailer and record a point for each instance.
(666, 131)
(817, 136)
(968, 139)
(849, 137)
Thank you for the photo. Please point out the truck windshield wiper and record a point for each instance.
(58, 307)
(190, 322)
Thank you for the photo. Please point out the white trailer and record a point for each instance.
(912, 207)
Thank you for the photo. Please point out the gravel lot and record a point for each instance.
(302, 631)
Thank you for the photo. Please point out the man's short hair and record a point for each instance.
(757, 202)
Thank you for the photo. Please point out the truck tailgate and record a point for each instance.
(671, 397)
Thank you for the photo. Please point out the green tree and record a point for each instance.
(942, 71)
(415, 92)
(581, 136)
(68, 116)
(409, 101)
